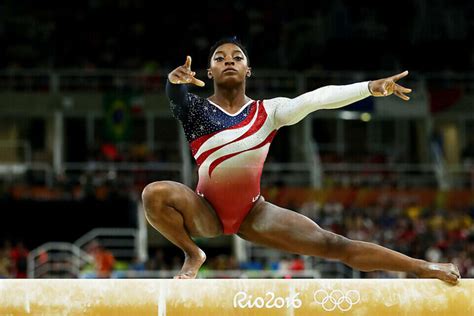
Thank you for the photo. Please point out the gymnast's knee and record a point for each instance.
(156, 194)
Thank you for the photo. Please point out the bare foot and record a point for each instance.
(191, 265)
(447, 272)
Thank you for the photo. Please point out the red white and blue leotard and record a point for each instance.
(230, 149)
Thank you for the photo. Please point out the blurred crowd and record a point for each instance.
(439, 232)
(339, 34)
(433, 234)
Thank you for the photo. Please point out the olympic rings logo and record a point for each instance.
(336, 299)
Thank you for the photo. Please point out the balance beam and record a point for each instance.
(236, 297)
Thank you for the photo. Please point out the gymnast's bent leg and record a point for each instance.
(279, 228)
(178, 213)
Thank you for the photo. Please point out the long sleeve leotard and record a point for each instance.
(230, 149)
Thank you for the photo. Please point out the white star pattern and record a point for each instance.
(203, 118)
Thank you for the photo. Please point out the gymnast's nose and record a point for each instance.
(229, 62)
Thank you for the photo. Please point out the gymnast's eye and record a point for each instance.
(219, 58)
(238, 58)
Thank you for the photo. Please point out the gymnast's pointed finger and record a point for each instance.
(187, 64)
(399, 76)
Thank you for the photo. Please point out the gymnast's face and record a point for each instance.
(229, 66)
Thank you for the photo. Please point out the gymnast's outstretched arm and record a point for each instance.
(290, 111)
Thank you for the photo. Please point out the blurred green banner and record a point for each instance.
(117, 109)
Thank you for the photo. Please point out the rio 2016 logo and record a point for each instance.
(243, 300)
(328, 301)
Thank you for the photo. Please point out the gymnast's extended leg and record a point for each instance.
(178, 213)
(279, 228)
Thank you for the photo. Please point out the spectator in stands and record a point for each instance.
(137, 265)
(157, 261)
(19, 257)
(5, 262)
(109, 152)
(104, 260)
(297, 264)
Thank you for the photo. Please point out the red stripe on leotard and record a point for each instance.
(197, 143)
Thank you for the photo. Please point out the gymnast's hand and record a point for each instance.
(386, 86)
(184, 75)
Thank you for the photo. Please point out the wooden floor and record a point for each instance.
(236, 297)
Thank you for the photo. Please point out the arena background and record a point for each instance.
(85, 125)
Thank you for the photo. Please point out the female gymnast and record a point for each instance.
(230, 134)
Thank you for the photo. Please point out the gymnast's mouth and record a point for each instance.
(229, 70)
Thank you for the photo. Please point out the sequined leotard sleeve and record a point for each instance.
(230, 148)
